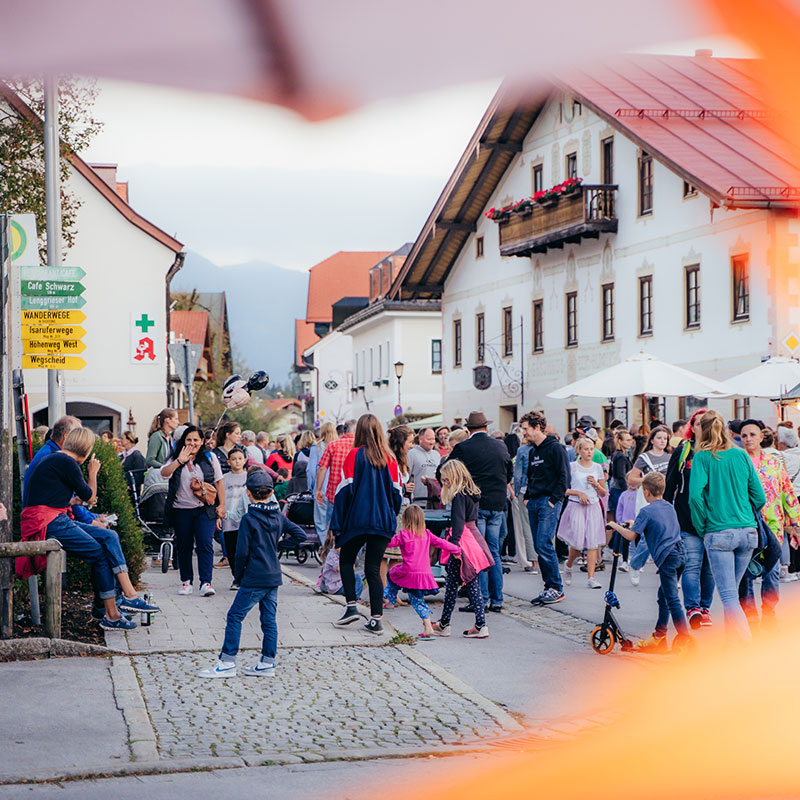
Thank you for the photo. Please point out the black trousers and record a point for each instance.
(373, 555)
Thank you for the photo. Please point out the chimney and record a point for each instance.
(703, 53)
(108, 172)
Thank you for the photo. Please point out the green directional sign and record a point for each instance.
(52, 273)
(53, 288)
(57, 302)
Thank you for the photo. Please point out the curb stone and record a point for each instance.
(128, 696)
(502, 717)
(42, 647)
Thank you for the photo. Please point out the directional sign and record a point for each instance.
(53, 332)
(52, 273)
(52, 288)
(52, 317)
(52, 346)
(52, 362)
(29, 303)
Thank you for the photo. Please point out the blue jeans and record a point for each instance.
(770, 592)
(415, 597)
(729, 553)
(322, 518)
(697, 581)
(491, 580)
(669, 601)
(640, 555)
(544, 520)
(194, 531)
(267, 600)
(77, 541)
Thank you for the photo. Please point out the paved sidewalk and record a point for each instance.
(193, 622)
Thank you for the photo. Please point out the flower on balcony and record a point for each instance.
(542, 197)
(499, 214)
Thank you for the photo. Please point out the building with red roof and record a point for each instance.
(646, 204)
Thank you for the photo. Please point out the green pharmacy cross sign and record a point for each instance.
(52, 288)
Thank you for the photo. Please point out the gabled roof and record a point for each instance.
(700, 116)
(191, 325)
(304, 337)
(80, 166)
(343, 274)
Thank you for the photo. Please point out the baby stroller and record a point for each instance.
(149, 510)
(299, 509)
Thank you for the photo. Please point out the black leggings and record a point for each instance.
(452, 582)
(373, 555)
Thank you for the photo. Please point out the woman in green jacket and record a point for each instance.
(159, 442)
(724, 495)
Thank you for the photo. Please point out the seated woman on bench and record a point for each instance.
(52, 483)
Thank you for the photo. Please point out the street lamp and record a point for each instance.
(398, 371)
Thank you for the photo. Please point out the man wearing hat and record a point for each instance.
(257, 571)
(489, 463)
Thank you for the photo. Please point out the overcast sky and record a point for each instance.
(238, 181)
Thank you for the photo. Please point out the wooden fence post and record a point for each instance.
(52, 583)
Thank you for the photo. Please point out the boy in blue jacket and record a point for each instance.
(258, 573)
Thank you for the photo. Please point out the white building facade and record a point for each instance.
(358, 363)
(330, 380)
(128, 263)
(699, 283)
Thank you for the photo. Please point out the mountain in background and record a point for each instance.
(263, 302)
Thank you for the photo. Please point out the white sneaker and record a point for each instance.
(260, 669)
(568, 575)
(593, 583)
(635, 575)
(222, 669)
(207, 590)
(186, 588)
(624, 566)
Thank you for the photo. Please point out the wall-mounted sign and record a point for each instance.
(482, 377)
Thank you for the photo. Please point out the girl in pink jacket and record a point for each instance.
(414, 573)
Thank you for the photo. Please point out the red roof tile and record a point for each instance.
(191, 325)
(344, 274)
(304, 337)
(280, 403)
(658, 100)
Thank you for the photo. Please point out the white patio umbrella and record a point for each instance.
(773, 378)
(643, 374)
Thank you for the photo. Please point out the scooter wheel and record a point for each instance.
(301, 556)
(166, 556)
(602, 641)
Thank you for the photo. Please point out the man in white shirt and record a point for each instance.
(253, 451)
(423, 459)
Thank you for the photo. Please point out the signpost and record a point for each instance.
(186, 356)
(50, 297)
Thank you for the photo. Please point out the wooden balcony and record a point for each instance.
(586, 213)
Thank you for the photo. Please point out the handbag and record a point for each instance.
(204, 491)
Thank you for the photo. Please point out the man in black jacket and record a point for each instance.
(489, 463)
(548, 481)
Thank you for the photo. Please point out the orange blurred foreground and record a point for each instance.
(716, 724)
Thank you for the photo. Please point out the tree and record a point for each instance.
(22, 151)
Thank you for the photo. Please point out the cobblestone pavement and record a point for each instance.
(382, 699)
(198, 623)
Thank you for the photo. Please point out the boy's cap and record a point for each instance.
(591, 433)
(259, 482)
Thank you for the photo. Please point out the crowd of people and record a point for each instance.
(714, 505)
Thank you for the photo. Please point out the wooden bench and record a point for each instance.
(52, 577)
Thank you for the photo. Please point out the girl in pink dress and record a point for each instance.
(414, 573)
